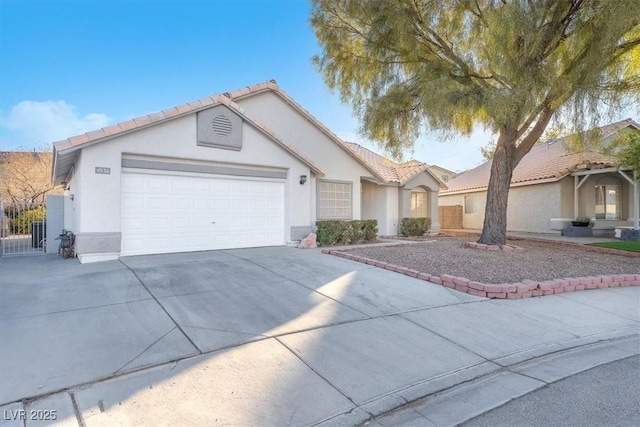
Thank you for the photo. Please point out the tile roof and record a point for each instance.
(546, 161)
(392, 172)
(68, 146)
(376, 164)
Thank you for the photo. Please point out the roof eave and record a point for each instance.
(66, 146)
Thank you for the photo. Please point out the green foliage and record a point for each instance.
(449, 65)
(414, 226)
(336, 232)
(627, 152)
(488, 151)
(456, 63)
(630, 246)
(21, 223)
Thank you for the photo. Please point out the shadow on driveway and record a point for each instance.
(266, 336)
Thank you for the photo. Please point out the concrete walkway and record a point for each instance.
(277, 336)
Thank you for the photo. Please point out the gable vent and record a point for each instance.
(221, 125)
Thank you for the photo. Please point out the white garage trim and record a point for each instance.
(203, 168)
(164, 212)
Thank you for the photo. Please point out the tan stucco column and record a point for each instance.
(433, 212)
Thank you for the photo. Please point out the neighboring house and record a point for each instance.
(445, 175)
(243, 169)
(552, 186)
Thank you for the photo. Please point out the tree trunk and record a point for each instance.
(494, 230)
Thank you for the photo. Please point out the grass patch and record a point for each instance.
(623, 246)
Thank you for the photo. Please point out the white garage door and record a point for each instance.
(167, 213)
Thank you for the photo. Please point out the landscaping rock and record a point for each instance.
(309, 242)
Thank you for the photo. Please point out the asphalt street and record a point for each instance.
(607, 395)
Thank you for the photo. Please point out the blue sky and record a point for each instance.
(67, 67)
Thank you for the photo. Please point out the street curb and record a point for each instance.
(453, 399)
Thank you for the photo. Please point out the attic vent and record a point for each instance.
(221, 125)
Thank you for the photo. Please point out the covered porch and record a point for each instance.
(609, 197)
(388, 204)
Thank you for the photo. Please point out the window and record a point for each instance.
(334, 200)
(471, 205)
(608, 201)
(445, 178)
(419, 205)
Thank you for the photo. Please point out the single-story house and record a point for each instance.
(551, 186)
(241, 169)
(445, 175)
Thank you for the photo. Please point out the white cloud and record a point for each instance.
(34, 123)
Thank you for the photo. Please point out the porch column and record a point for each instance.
(636, 204)
(433, 212)
(636, 197)
(576, 186)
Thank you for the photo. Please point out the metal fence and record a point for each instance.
(23, 228)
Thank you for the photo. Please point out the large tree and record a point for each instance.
(25, 176)
(511, 66)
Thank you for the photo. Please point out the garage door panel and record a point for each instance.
(158, 183)
(155, 223)
(133, 223)
(201, 204)
(164, 213)
(131, 202)
(157, 203)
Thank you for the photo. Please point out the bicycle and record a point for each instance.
(67, 244)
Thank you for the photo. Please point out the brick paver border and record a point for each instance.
(524, 289)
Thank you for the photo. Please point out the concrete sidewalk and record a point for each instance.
(277, 336)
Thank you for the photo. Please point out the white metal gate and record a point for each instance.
(23, 228)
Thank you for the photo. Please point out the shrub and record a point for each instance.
(337, 232)
(21, 223)
(369, 230)
(414, 226)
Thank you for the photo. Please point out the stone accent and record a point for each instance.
(630, 234)
(525, 289)
(577, 232)
(309, 242)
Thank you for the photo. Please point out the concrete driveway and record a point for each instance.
(269, 336)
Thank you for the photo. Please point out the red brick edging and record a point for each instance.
(525, 289)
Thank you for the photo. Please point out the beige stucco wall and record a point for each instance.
(73, 197)
(424, 181)
(470, 221)
(548, 207)
(381, 203)
(293, 128)
(531, 207)
(97, 196)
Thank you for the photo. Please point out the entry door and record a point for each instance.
(174, 213)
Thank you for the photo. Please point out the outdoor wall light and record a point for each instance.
(303, 179)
